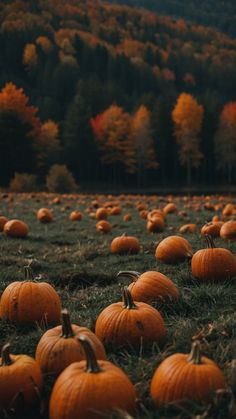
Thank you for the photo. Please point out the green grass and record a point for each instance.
(77, 261)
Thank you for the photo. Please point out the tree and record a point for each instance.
(187, 116)
(47, 144)
(225, 140)
(143, 143)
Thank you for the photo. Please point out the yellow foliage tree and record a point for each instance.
(187, 116)
(47, 143)
(30, 56)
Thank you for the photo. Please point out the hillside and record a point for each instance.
(216, 13)
(74, 59)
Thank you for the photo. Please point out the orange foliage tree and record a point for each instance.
(47, 144)
(30, 56)
(225, 140)
(143, 143)
(187, 116)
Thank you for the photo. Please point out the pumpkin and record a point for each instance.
(212, 229)
(20, 377)
(150, 286)
(27, 302)
(93, 388)
(75, 216)
(101, 213)
(228, 231)
(16, 229)
(115, 210)
(169, 208)
(125, 244)
(213, 264)
(143, 214)
(59, 347)
(188, 228)
(155, 224)
(173, 249)
(103, 226)
(228, 210)
(129, 322)
(127, 217)
(3, 221)
(186, 377)
(155, 213)
(44, 215)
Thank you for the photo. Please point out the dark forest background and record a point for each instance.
(75, 59)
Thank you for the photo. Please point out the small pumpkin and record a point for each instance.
(125, 244)
(103, 226)
(16, 229)
(188, 228)
(3, 221)
(186, 377)
(150, 286)
(75, 216)
(20, 377)
(101, 213)
(44, 215)
(213, 264)
(93, 387)
(129, 322)
(170, 208)
(59, 346)
(156, 224)
(228, 210)
(127, 217)
(115, 210)
(212, 229)
(173, 249)
(228, 231)
(27, 302)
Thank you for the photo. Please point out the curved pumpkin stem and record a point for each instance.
(28, 273)
(67, 331)
(92, 364)
(6, 359)
(134, 275)
(128, 299)
(195, 354)
(210, 242)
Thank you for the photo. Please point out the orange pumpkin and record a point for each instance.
(75, 216)
(101, 213)
(228, 231)
(16, 229)
(213, 264)
(186, 377)
(3, 221)
(212, 229)
(150, 286)
(125, 244)
(173, 249)
(93, 388)
(129, 322)
(103, 226)
(188, 228)
(44, 215)
(155, 224)
(170, 208)
(59, 347)
(20, 376)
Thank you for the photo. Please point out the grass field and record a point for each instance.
(77, 260)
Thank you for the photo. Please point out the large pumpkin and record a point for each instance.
(59, 347)
(16, 228)
(173, 249)
(20, 377)
(91, 389)
(125, 244)
(27, 302)
(186, 377)
(213, 264)
(129, 322)
(150, 286)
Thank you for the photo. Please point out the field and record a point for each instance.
(77, 260)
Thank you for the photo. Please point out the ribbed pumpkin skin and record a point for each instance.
(78, 394)
(228, 231)
(212, 229)
(213, 264)
(16, 228)
(173, 249)
(125, 244)
(152, 285)
(121, 326)
(21, 376)
(176, 379)
(27, 302)
(54, 353)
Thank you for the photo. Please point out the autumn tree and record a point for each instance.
(225, 141)
(47, 144)
(30, 57)
(187, 116)
(112, 130)
(19, 126)
(142, 136)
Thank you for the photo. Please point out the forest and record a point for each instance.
(118, 95)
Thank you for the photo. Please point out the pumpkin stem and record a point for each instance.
(28, 273)
(92, 364)
(128, 299)
(67, 331)
(195, 354)
(210, 242)
(134, 275)
(6, 360)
